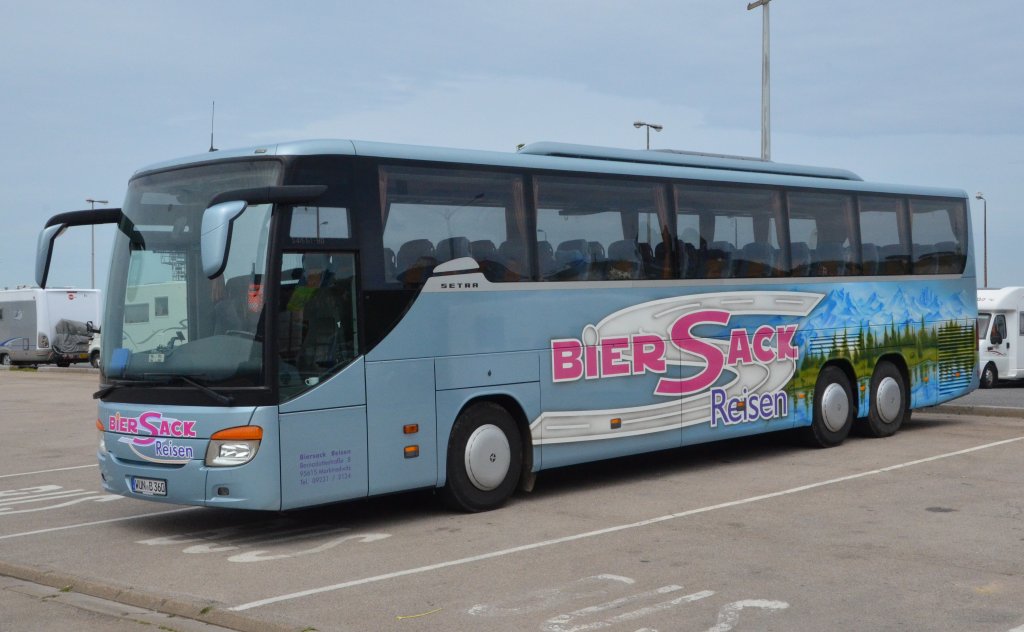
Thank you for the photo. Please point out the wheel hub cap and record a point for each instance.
(835, 407)
(488, 457)
(888, 401)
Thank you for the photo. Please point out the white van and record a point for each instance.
(1000, 335)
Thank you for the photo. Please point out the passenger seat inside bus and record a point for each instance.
(415, 261)
(718, 262)
(624, 261)
(800, 256)
(451, 248)
(756, 260)
(572, 261)
(829, 259)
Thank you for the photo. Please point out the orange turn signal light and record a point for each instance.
(412, 451)
(99, 426)
(411, 428)
(239, 433)
(616, 423)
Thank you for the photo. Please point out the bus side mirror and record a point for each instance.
(44, 251)
(216, 235)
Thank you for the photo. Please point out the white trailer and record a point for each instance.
(1000, 335)
(29, 319)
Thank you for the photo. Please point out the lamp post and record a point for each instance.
(766, 143)
(984, 233)
(92, 241)
(649, 127)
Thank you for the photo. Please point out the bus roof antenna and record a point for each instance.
(213, 111)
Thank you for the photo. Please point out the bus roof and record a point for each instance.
(570, 157)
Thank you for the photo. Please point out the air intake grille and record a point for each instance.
(958, 350)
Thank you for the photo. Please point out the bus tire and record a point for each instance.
(989, 376)
(833, 409)
(5, 359)
(485, 459)
(888, 407)
(94, 359)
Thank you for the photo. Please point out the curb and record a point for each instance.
(211, 612)
(981, 411)
(51, 369)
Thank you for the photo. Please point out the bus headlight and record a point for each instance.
(233, 446)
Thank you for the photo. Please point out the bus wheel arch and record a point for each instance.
(989, 376)
(834, 406)
(487, 455)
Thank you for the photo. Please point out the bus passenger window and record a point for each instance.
(939, 229)
(436, 215)
(827, 224)
(606, 230)
(729, 232)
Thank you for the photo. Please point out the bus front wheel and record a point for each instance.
(888, 401)
(485, 458)
(989, 376)
(833, 409)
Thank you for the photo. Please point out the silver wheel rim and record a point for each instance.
(488, 457)
(888, 400)
(7, 360)
(835, 407)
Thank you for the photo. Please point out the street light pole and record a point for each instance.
(766, 143)
(92, 241)
(649, 126)
(984, 233)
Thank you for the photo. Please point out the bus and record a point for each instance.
(357, 318)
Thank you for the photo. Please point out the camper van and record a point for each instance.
(47, 326)
(1000, 335)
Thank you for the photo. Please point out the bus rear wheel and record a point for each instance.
(833, 409)
(888, 401)
(5, 359)
(989, 376)
(485, 459)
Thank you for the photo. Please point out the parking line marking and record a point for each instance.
(59, 469)
(94, 523)
(607, 530)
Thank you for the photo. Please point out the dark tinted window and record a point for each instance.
(598, 230)
(435, 215)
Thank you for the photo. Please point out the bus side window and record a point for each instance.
(434, 215)
(606, 230)
(826, 223)
(939, 228)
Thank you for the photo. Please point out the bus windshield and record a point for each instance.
(164, 318)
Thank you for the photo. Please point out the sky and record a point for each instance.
(896, 91)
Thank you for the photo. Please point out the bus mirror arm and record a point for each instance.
(57, 224)
(226, 207)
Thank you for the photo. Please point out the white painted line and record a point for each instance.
(59, 469)
(605, 531)
(94, 523)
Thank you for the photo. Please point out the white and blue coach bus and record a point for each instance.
(317, 321)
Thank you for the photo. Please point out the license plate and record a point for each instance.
(149, 486)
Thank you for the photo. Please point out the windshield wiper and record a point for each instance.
(225, 399)
(169, 379)
(113, 386)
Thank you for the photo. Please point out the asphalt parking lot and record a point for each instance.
(922, 531)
